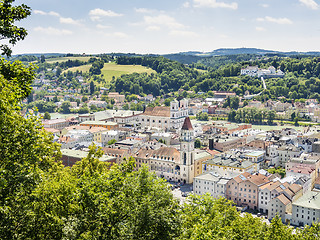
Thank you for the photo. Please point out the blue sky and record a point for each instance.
(168, 26)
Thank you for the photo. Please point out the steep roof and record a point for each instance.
(283, 199)
(187, 124)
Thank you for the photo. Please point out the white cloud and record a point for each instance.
(51, 13)
(310, 4)
(264, 5)
(163, 20)
(97, 13)
(186, 4)
(52, 31)
(100, 26)
(153, 28)
(215, 4)
(260, 29)
(275, 20)
(39, 12)
(68, 21)
(143, 10)
(55, 14)
(180, 33)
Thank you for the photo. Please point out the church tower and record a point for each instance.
(187, 151)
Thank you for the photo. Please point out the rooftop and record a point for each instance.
(82, 154)
(309, 199)
(187, 124)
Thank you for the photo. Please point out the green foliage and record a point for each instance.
(8, 31)
(43, 106)
(203, 116)
(279, 170)
(65, 107)
(26, 152)
(46, 116)
(251, 115)
(233, 103)
(197, 143)
(112, 141)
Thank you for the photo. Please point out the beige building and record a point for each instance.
(244, 189)
(58, 123)
(224, 142)
(117, 97)
(168, 162)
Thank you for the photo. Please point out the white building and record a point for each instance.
(306, 210)
(254, 71)
(212, 183)
(165, 117)
(109, 135)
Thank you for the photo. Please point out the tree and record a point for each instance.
(65, 106)
(42, 59)
(26, 152)
(92, 87)
(46, 116)
(202, 116)
(197, 143)
(8, 31)
(84, 99)
(58, 71)
(112, 141)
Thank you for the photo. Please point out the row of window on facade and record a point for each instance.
(148, 120)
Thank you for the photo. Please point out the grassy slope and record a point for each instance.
(64, 59)
(111, 69)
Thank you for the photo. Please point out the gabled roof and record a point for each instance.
(157, 111)
(283, 199)
(187, 124)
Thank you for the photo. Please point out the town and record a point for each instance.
(269, 170)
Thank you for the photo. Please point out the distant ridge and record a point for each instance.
(193, 56)
(234, 51)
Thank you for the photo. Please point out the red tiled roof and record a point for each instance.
(187, 124)
(157, 111)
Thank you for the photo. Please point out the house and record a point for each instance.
(117, 97)
(228, 163)
(107, 125)
(58, 123)
(211, 183)
(306, 209)
(224, 142)
(99, 104)
(244, 189)
(70, 157)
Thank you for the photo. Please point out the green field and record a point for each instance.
(83, 68)
(64, 59)
(112, 69)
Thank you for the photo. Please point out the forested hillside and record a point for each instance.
(300, 82)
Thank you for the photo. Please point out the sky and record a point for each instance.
(169, 26)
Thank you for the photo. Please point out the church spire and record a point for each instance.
(187, 124)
